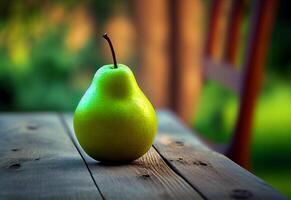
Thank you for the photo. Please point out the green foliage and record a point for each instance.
(271, 126)
(45, 82)
(279, 53)
(271, 147)
(38, 71)
(209, 119)
(271, 136)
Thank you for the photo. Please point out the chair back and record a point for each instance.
(171, 73)
(246, 80)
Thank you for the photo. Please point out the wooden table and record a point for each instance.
(40, 159)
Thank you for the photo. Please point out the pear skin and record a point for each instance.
(114, 121)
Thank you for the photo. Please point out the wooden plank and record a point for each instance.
(225, 74)
(39, 161)
(146, 178)
(212, 174)
(170, 127)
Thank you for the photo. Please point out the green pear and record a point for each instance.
(114, 121)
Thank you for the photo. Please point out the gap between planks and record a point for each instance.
(179, 173)
(63, 121)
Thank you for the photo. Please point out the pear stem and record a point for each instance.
(112, 49)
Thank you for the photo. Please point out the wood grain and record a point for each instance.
(146, 178)
(39, 161)
(212, 174)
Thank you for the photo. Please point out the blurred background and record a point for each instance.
(50, 50)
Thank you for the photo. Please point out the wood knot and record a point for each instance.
(32, 127)
(240, 194)
(144, 176)
(37, 159)
(14, 166)
(200, 163)
(181, 160)
(179, 143)
(15, 149)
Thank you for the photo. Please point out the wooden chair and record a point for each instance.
(247, 81)
(173, 79)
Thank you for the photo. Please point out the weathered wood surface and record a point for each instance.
(212, 174)
(146, 178)
(39, 161)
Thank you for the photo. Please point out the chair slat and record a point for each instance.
(255, 56)
(212, 27)
(233, 32)
(225, 74)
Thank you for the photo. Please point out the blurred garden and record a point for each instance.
(50, 50)
(271, 146)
